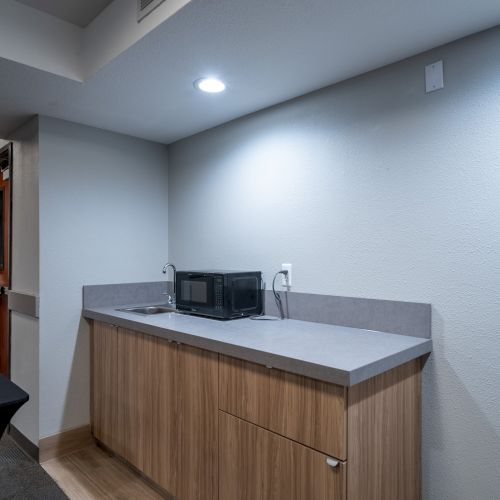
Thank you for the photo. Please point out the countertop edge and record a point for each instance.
(372, 370)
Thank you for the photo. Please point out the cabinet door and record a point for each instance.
(165, 428)
(136, 373)
(104, 383)
(256, 464)
(198, 424)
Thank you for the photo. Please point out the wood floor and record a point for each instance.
(91, 473)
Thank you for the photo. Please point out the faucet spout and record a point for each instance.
(171, 298)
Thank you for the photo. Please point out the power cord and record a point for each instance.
(277, 298)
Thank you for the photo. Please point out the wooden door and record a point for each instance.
(136, 373)
(256, 464)
(105, 383)
(134, 400)
(161, 397)
(5, 158)
(198, 424)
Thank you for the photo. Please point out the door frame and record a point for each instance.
(5, 273)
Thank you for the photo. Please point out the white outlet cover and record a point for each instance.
(286, 280)
(434, 79)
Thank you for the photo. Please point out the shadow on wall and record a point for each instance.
(454, 429)
(78, 389)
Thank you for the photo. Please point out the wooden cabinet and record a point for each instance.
(384, 436)
(135, 353)
(373, 426)
(198, 424)
(205, 426)
(311, 412)
(256, 464)
(155, 404)
(164, 465)
(147, 424)
(105, 378)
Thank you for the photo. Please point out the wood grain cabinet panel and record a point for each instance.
(244, 390)
(198, 424)
(147, 406)
(136, 374)
(384, 436)
(305, 410)
(256, 464)
(105, 383)
(165, 423)
(309, 411)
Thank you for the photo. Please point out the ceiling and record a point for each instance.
(267, 52)
(79, 12)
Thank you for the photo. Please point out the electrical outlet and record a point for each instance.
(434, 79)
(286, 280)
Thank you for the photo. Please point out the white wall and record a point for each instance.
(35, 38)
(25, 272)
(29, 36)
(103, 219)
(374, 188)
(116, 29)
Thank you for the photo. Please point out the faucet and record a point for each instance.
(171, 298)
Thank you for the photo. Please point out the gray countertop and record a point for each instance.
(337, 354)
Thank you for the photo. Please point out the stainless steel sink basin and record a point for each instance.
(149, 309)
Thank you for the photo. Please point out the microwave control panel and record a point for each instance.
(219, 292)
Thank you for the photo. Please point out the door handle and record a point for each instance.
(332, 462)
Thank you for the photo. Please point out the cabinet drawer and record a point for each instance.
(305, 410)
(255, 464)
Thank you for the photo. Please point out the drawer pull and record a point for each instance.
(332, 462)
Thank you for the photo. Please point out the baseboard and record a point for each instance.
(24, 443)
(66, 442)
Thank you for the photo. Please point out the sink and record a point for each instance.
(146, 310)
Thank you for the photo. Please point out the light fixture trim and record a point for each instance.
(210, 85)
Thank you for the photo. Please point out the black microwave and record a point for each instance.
(219, 294)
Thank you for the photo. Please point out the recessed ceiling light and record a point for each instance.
(211, 85)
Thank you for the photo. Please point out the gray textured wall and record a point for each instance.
(374, 188)
(103, 219)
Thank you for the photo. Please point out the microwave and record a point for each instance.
(219, 294)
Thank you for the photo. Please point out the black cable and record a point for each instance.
(277, 298)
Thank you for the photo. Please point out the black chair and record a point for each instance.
(12, 398)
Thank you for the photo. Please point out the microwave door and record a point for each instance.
(246, 294)
(196, 292)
